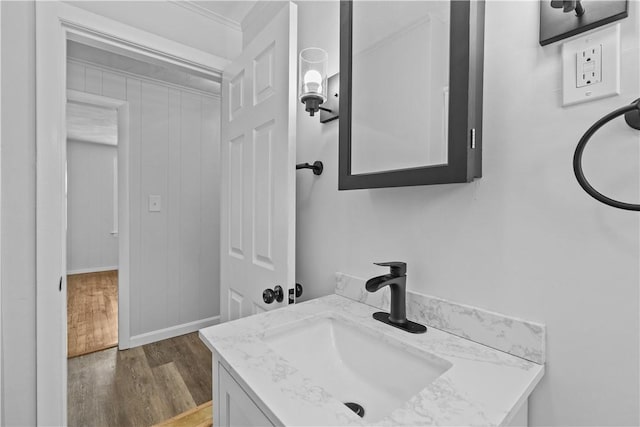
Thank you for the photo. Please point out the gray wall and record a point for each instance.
(525, 239)
(18, 213)
(90, 207)
(173, 153)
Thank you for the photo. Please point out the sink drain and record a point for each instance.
(358, 409)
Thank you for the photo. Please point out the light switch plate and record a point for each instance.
(601, 47)
(155, 203)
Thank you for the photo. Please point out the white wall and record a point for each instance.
(258, 16)
(91, 246)
(172, 21)
(174, 137)
(18, 214)
(523, 240)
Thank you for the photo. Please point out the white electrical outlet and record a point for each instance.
(591, 66)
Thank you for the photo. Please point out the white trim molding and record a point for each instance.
(1, 335)
(97, 31)
(203, 11)
(92, 270)
(173, 331)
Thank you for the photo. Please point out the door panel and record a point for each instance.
(258, 167)
(235, 199)
(263, 195)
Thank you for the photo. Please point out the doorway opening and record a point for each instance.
(57, 24)
(92, 226)
(170, 131)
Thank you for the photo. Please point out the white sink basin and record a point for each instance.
(356, 364)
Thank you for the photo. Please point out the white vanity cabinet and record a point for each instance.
(267, 372)
(232, 406)
(520, 419)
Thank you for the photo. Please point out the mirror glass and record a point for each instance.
(400, 85)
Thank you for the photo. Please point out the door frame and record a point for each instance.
(122, 109)
(57, 22)
(1, 285)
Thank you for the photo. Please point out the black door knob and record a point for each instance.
(275, 294)
(298, 292)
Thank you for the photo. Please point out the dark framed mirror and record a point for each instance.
(411, 92)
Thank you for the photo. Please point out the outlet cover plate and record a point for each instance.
(589, 66)
(609, 39)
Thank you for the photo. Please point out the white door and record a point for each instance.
(258, 170)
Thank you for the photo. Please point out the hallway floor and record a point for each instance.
(92, 312)
(140, 386)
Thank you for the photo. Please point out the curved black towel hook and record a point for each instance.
(632, 117)
(317, 167)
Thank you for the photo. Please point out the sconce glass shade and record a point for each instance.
(312, 78)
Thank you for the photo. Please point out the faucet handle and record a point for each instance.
(398, 268)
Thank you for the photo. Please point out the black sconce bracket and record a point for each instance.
(562, 19)
(317, 167)
(330, 109)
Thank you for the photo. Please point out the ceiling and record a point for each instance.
(233, 10)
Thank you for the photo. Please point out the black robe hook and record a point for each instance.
(317, 167)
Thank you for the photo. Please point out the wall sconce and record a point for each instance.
(312, 78)
(313, 84)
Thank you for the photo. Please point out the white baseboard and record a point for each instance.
(170, 332)
(92, 270)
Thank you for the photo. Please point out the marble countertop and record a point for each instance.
(484, 386)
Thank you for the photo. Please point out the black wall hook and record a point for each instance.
(317, 167)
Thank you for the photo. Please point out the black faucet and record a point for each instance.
(397, 281)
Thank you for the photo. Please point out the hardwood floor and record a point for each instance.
(92, 312)
(201, 416)
(141, 386)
